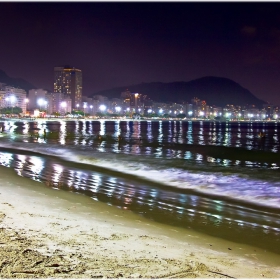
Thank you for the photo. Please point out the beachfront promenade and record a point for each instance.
(32, 119)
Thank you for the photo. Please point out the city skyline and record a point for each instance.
(119, 44)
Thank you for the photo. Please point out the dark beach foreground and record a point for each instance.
(53, 233)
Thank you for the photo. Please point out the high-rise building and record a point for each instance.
(68, 80)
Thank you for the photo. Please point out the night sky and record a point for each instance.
(124, 43)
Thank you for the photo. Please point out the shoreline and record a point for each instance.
(52, 233)
(133, 120)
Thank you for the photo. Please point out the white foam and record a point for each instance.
(255, 191)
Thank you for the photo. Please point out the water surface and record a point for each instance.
(216, 178)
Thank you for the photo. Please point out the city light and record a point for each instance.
(41, 102)
(12, 100)
(210, 113)
(26, 100)
(102, 108)
(85, 106)
(63, 105)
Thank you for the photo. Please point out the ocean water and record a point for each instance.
(218, 178)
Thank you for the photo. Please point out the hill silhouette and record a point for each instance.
(15, 82)
(214, 90)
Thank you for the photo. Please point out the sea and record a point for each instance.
(218, 178)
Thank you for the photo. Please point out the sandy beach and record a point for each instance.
(51, 233)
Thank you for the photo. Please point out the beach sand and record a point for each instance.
(52, 233)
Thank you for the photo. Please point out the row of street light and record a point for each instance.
(118, 109)
(42, 102)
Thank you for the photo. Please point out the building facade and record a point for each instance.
(68, 80)
(13, 97)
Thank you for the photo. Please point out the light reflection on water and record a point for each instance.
(218, 217)
(154, 138)
(162, 143)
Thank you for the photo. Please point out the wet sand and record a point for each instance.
(50, 233)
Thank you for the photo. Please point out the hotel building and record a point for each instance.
(68, 80)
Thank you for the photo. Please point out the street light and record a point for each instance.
(63, 105)
(85, 106)
(26, 100)
(40, 102)
(91, 108)
(12, 99)
(118, 109)
(228, 114)
(77, 107)
(102, 108)
(136, 102)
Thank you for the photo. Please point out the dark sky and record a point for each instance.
(125, 43)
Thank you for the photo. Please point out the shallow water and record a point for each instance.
(188, 174)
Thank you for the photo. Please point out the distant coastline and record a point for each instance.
(134, 120)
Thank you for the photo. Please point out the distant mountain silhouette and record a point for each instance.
(214, 90)
(15, 82)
